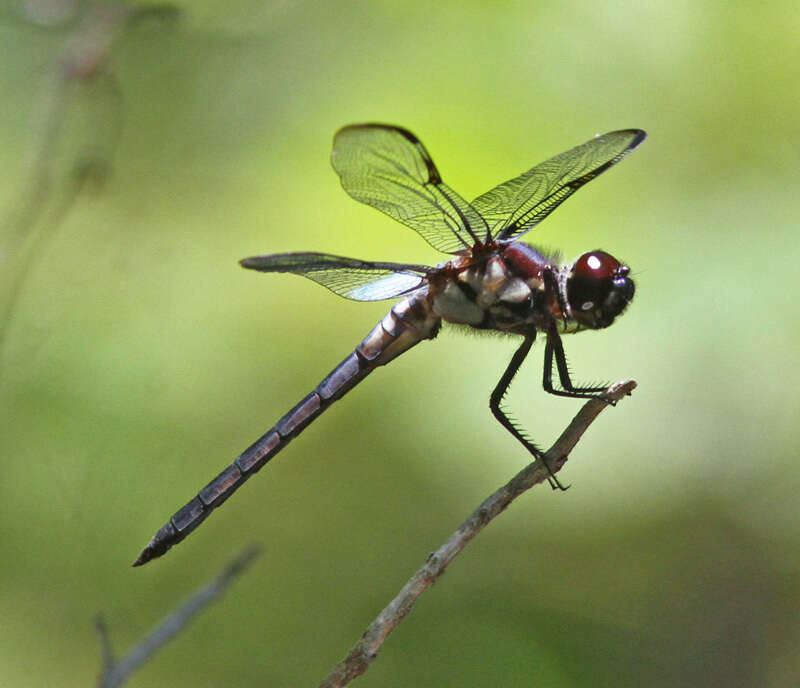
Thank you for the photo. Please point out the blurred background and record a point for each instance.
(145, 149)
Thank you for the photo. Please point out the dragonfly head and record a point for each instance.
(598, 289)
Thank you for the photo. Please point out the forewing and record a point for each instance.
(519, 204)
(388, 168)
(354, 279)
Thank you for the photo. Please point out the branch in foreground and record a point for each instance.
(115, 673)
(366, 650)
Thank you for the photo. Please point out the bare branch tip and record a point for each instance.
(616, 391)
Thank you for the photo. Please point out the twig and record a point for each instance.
(115, 673)
(366, 650)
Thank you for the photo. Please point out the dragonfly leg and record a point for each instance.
(554, 347)
(496, 399)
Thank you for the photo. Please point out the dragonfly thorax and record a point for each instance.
(504, 290)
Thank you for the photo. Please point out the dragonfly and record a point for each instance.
(492, 281)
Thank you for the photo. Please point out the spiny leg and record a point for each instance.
(554, 346)
(497, 397)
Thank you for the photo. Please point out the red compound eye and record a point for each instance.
(598, 289)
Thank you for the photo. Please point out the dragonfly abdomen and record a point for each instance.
(408, 323)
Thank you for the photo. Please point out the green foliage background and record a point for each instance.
(139, 359)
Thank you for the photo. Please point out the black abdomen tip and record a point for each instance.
(161, 542)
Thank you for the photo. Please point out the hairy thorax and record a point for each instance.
(501, 290)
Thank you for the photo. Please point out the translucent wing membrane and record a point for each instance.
(388, 168)
(519, 204)
(354, 279)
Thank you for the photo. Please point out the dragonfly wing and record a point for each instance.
(388, 168)
(354, 279)
(519, 204)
